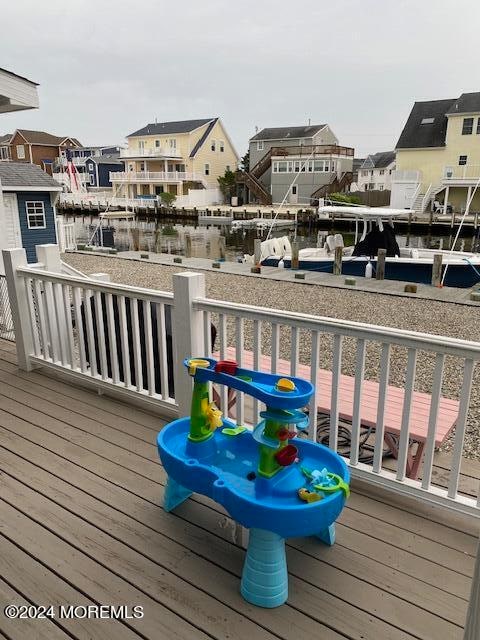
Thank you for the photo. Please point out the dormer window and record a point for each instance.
(427, 121)
(467, 128)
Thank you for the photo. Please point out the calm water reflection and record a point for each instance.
(168, 236)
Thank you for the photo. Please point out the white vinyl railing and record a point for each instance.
(157, 152)
(155, 176)
(461, 172)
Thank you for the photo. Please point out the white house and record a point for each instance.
(376, 172)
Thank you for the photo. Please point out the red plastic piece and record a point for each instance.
(283, 434)
(226, 366)
(287, 455)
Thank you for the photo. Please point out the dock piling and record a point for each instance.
(257, 251)
(382, 254)
(222, 243)
(437, 270)
(337, 264)
(188, 245)
(295, 251)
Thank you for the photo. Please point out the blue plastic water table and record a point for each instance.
(274, 488)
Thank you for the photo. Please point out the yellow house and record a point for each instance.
(175, 157)
(438, 156)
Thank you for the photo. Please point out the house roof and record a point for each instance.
(110, 158)
(416, 135)
(15, 75)
(5, 139)
(24, 174)
(203, 138)
(380, 160)
(42, 137)
(466, 103)
(166, 128)
(280, 133)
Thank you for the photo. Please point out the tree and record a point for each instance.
(227, 184)
(245, 162)
(167, 198)
(345, 198)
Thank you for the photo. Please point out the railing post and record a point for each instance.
(17, 294)
(472, 624)
(49, 256)
(187, 332)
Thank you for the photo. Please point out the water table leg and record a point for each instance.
(174, 495)
(265, 577)
(327, 535)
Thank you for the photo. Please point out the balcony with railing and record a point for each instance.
(157, 152)
(155, 176)
(461, 175)
(81, 480)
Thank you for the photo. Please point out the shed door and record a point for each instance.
(10, 223)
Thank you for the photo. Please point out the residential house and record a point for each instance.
(5, 153)
(79, 157)
(438, 155)
(375, 172)
(99, 168)
(299, 164)
(16, 92)
(27, 207)
(39, 147)
(175, 157)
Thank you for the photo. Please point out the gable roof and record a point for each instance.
(15, 75)
(5, 139)
(466, 103)
(110, 158)
(416, 135)
(280, 133)
(42, 137)
(203, 137)
(166, 128)
(24, 174)
(379, 160)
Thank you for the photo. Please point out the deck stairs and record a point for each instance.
(336, 185)
(423, 199)
(255, 186)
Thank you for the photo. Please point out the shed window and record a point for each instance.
(20, 151)
(467, 128)
(207, 169)
(35, 215)
(462, 160)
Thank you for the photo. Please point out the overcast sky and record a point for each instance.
(107, 67)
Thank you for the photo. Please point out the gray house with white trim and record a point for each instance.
(27, 208)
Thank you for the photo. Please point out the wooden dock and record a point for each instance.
(82, 524)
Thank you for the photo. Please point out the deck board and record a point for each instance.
(81, 517)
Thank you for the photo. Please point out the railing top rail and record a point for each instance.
(96, 285)
(403, 337)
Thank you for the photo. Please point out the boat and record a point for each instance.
(402, 263)
(262, 224)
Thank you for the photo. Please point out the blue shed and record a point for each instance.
(27, 208)
(98, 168)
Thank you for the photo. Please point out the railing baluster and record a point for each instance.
(275, 347)
(162, 350)
(52, 326)
(137, 352)
(67, 309)
(101, 334)
(77, 310)
(239, 346)
(404, 442)
(313, 379)
(39, 301)
(207, 333)
(31, 309)
(294, 339)
(257, 362)
(222, 322)
(112, 339)
(357, 401)
(336, 373)
(460, 428)
(432, 421)
(92, 353)
(124, 341)
(60, 322)
(382, 400)
(147, 323)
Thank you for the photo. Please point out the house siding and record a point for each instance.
(218, 160)
(33, 237)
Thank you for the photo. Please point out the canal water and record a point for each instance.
(168, 236)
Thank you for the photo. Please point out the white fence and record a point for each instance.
(134, 340)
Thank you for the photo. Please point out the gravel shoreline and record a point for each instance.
(442, 318)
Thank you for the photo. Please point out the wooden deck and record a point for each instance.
(81, 523)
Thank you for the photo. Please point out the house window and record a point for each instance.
(364, 173)
(318, 165)
(382, 171)
(260, 144)
(142, 166)
(35, 215)
(462, 160)
(467, 128)
(141, 145)
(157, 144)
(380, 187)
(4, 153)
(282, 167)
(90, 166)
(172, 143)
(207, 169)
(222, 146)
(212, 145)
(20, 151)
(294, 189)
(227, 168)
(478, 125)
